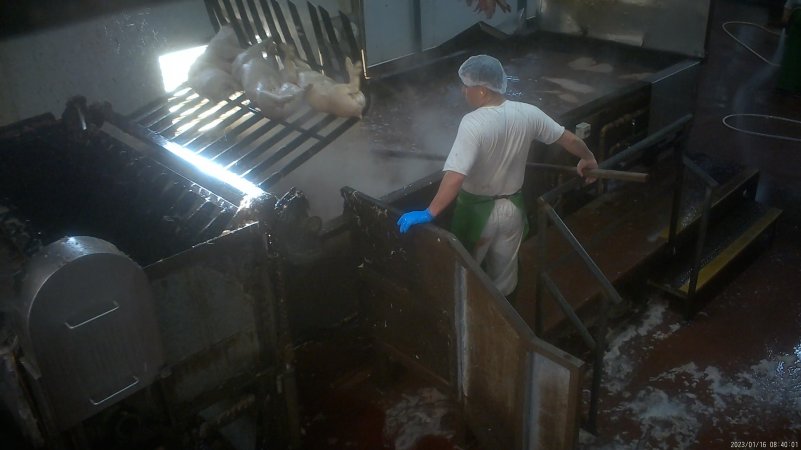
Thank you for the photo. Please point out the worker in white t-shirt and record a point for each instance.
(485, 168)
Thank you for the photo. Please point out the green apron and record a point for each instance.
(472, 212)
(790, 72)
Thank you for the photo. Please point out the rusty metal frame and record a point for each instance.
(469, 321)
(267, 391)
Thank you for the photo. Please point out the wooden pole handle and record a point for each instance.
(596, 173)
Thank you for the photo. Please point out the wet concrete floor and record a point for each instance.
(730, 377)
(354, 400)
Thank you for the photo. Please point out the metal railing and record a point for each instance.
(709, 185)
(515, 390)
(547, 214)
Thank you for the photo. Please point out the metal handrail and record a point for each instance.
(638, 147)
(578, 248)
(709, 184)
(569, 312)
(596, 345)
(547, 213)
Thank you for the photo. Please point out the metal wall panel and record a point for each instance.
(553, 379)
(434, 305)
(223, 320)
(676, 26)
(388, 30)
(673, 94)
(392, 26)
(443, 20)
(521, 390)
(206, 302)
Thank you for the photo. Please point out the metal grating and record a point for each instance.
(325, 48)
(52, 186)
(233, 134)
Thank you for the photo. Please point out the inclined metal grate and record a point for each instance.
(52, 185)
(325, 48)
(233, 134)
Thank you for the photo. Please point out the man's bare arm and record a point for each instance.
(577, 147)
(447, 192)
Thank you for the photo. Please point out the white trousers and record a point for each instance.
(500, 240)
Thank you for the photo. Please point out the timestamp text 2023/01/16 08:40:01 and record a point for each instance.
(764, 444)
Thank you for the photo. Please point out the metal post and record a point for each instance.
(699, 249)
(606, 285)
(277, 299)
(542, 227)
(417, 24)
(561, 301)
(678, 183)
(598, 367)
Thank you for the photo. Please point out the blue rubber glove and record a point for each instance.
(414, 218)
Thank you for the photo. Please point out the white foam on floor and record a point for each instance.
(618, 364)
(706, 394)
(416, 416)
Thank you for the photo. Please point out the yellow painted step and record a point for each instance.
(709, 271)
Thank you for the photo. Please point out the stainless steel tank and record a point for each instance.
(87, 328)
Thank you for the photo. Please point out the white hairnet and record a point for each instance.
(483, 70)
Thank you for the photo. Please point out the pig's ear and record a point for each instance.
(348, 64)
